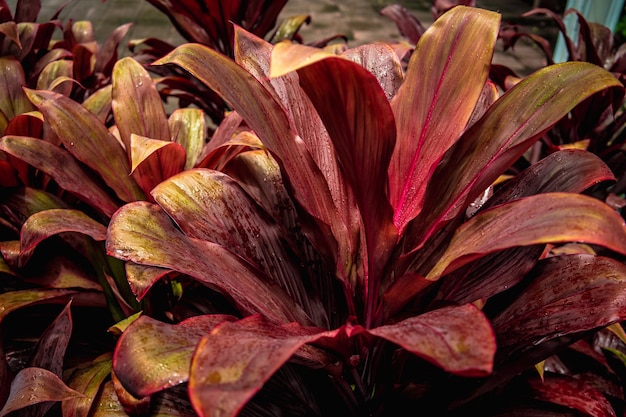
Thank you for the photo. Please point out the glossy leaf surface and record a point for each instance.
(85, 137)
(144, 234)
(88, 380)
(432, 108)
(152, 355)
(543, 218)
(60, 165)
(506, 130)
(33, 386)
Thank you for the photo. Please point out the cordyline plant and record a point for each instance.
(70, 171)
(340, 223)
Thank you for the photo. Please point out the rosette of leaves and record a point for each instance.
(71, 170)
(335, 222)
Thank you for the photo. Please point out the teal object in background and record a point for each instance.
(605, 12)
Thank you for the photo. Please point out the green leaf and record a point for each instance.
(188, 127)
(443, 83)
(88, 379)
(539, 219)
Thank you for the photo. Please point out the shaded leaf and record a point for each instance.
(144, 234)
(88, 379)
(568, 294)
(233, 362)
(543, 218)
(13, 101)
(46, 223)
(33, 386)
(60, 165)
(209, 205)
(407, 24)
(151, 355)
(574, 394)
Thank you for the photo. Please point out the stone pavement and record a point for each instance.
(359, 20)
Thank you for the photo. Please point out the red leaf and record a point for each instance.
(446, 338)
(568, 294)
(443, 83)
(151, 355)
(137, 105)
(503, 134)
(62, 167)
(266, 117)
(573, 394)
(233, 362)
(13, 101)
(144, 234)
(543, 218)
(33, 386)
(154, 160)
(88, 139)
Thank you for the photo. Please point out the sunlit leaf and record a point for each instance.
(188, 127)
(503, 134)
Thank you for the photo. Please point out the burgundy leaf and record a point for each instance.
(574, 394)
(568, 294)
(444, 338)
(209, 205)
(13, 101)
(503, 134)
(60, 165)
(265, 116)
(432, 108)
(107, 56)
(33, 386)
(51, 222)
(88, 139)
(233, 362)
(381, 60)
(407, 24)
(154, 160)
(255, 55)
(144, 234)
(151, 355)
(543, 218)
